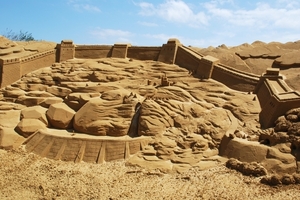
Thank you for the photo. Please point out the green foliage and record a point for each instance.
(21, 36)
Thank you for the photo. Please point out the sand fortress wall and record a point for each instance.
(34, 62)
(10, 71)
(274, 95)
(173, 53)
(188, 59)
(60, 145)
(93, 51)
(143, 53)
(104, 51)
(13, 69)
(234, 79)
(209, 67)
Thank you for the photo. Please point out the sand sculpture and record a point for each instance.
(168, 108)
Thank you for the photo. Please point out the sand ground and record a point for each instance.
(28, 176)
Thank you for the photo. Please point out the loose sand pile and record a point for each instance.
(28, 176)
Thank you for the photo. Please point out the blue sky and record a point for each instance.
(152, 22)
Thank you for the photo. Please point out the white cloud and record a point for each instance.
(86, 7)
(279, 36)
(192, 42)
(147, 9)
(222, 2)
(288, 19)
(83, 5)
(111, 35)
(288, 3)
(104, 33)
(219, 12)
(150, 24)
(161, 37)
(176, 11)
(262, 16)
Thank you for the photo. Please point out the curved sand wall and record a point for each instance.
(77, 147)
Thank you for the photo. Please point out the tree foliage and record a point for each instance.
(21, 36)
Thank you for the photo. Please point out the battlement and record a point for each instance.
(272, 72)
(10, 61)
(174, 41)
(239, 72)
(66, 50)
(120, 50)
(65, 43)
(168, 51)
(210, 60)
(288, 96)
(275, 97)
(95, 47)
(193, 51)
(37, 55)
(252, 78)
(93, 51)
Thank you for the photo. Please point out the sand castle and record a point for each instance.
(149, 105)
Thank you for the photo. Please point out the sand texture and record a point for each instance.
(28, 176)
(121, 128)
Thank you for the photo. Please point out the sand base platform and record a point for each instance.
(77, 147)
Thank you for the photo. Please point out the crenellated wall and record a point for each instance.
(274, 95)
(234, 79)
(34, 62)
(93, 51)
(277, 105)
(10, 71)
(187, 58)
(210, 67)
(120, 50)
(173, 53)
(13, 69)
(66, 50)
(168, 51)
(143, 53)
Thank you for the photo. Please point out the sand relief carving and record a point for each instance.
(97, 110)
